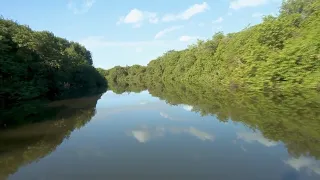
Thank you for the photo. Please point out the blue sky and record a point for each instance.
(126, 32)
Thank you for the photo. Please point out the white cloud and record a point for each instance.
(85, 6)
(238, 4)
(200, 134)
(141, 136)
(167, 30)
(257, 15)
(188, 38)
(187, 107)
(134, 16)
(252, 137)
(193, 10)
(137, 17)
(165, 115)
(304, 163)
(187, 14)
(219, 20)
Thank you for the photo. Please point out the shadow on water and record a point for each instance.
(22, 145)
(32, 111)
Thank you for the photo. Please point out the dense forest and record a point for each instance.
(38, 65)
(280, 54)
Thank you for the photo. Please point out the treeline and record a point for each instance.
(282, 54)
(39, 65)
(123, 78)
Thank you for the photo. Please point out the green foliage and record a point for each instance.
(39, 65)
(280, 54)
(120, 76)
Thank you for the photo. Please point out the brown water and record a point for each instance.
(138, 136)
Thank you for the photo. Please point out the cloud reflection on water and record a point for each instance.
(251, 137)
(144, 134)
(308, 163)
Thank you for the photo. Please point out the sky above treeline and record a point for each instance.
(127, 32)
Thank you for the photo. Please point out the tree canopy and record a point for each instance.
(280, 54)
(37, 64)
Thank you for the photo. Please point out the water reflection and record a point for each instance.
(305, 163)
(187, 107)
(250, 137)
(292, 118)
(26, 144)
(188, 134)
(144, 133)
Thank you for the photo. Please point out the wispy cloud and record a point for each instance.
(80, 8)
(137, 17)
(219, 20)
(200, 134)
(167, 30)
(186, 14)
(238, 4)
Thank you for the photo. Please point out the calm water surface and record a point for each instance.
(137, 136)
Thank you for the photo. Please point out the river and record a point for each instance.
(141, 136)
